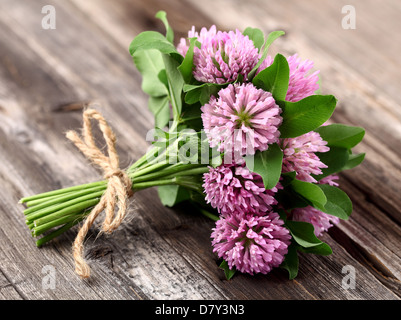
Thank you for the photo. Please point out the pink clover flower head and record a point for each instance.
(233, 188)
(321, 221)
(302, 83)
(252, 244)
(330, 180)
(299, 155)
(183, 45)
(242, 119)
(222, 56)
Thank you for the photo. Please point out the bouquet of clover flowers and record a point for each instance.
(241, 136)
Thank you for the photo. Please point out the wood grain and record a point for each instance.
(47, 76)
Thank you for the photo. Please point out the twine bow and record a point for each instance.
(119, 187)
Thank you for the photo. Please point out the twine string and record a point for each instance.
(119, 186)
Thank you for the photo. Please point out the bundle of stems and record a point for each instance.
(52, 213)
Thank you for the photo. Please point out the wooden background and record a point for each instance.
(47, 76)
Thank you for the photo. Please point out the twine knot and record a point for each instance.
(119, 186)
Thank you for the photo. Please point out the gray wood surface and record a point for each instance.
(47, 76)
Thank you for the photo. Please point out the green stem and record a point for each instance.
(63, 200)
(138, 163)
(37, 202)
(183, 120)
(162, 157)
(174, 125)
(142, 161)
(47, 217)
(177, 169)
(63, 191)
(188, 182)
(149, 184)
(190, 172)
(149, 169)
(57, 232)
(38, 230)
(209, 214)
(75, 208)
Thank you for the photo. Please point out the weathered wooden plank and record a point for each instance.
(7, 290)
(157, 253)
(376, 234)
(22, 262)
(333, 273)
